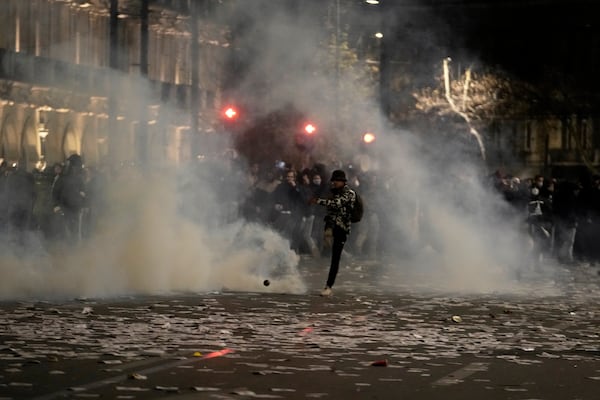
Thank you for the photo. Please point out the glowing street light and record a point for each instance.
(368, 137)
(43, 133)
(42, 128)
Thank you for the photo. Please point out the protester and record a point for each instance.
(337, 222)
(21, 198)
(68, 194)
(287, 209)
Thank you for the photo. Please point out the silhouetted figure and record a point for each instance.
(69, 197)
(21, 197)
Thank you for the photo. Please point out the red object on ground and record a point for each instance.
(306, 331)
(218, 353)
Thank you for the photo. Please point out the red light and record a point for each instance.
(230, 113)
(310, 129)
(369, 137)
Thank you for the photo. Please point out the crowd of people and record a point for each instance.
(64, 201)
(55, 201)
(563, 216)
(281, 197)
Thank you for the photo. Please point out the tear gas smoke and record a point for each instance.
(169, 230)
(445, 227)
(149, 243)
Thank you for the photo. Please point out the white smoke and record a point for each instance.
(174, 231)
(146, 244)
(443, 226)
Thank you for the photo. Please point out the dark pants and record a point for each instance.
(339, 239)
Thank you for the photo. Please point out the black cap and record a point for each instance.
(338, 175)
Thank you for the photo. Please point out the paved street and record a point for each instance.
(385, 341)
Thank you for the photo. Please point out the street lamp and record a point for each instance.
(368, 138)
(43, 133)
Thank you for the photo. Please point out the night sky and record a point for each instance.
(523, 37)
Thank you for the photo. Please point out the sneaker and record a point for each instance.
(326, 292)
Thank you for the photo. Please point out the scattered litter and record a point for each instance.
(255, 365)
(457, 319)
(197, 354)
(346, 374)
(87, 310)
(244, 392)
(515, 389)
(131, 389)
(21, 384)
(305, 331)
(167, 388)
(218, 353)
(153, 352)
(205, 389)
(548, 355)
(137, 376)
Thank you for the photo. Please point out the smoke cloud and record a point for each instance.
(171, 230)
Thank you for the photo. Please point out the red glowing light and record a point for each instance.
(310, 129)
(230, 113)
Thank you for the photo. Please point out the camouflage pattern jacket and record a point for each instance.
(339, 208)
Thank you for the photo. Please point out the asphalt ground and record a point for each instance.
(362, 343)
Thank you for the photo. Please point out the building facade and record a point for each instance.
(87, 77)
(75, 77)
